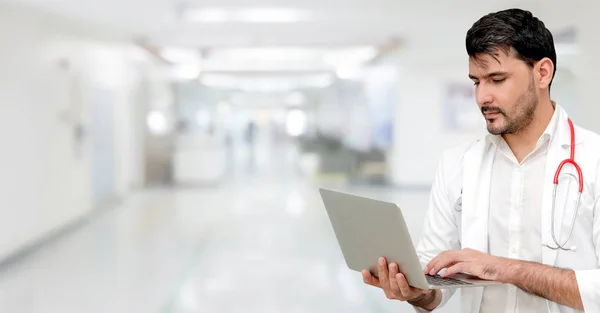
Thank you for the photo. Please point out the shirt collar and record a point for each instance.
(550, 130)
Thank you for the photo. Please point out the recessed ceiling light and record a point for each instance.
(251, 15)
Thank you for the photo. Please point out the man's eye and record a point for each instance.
(497, 81)
(476, 83)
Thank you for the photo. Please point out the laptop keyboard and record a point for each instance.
(441, 281)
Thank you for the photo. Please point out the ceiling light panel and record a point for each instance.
(247, 15)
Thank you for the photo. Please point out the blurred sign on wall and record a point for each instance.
(461, 110)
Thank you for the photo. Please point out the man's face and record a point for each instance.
(505, 92)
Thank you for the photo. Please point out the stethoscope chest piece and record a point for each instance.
(458, 204)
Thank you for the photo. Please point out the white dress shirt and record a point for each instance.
(515, 218)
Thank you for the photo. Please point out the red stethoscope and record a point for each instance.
(571, 160)
(561, 244)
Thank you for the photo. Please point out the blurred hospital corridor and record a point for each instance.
(260, 243)
(166, 156)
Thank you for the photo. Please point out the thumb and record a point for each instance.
(370, 279)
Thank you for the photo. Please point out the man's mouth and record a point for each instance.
(490, 115)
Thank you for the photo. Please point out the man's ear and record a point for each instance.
(544, 70)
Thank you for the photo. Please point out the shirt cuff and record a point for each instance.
(446, 294)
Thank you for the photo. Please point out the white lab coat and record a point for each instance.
(468, 167)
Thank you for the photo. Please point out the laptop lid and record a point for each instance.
(367, 229)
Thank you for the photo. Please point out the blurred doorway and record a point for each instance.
(103, 155)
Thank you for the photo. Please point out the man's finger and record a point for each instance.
(383, 273)
(403, 286)
(443, 261)
(433, 261)
(393, 269)
(370, 279)
(456, 268)
(442, 264)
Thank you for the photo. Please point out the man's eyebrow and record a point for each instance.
(492, 74)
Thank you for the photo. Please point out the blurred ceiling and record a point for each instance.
(287, 37)
(322, 23)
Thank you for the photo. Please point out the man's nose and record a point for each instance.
(483, 96)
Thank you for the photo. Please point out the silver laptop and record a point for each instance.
(367, 229)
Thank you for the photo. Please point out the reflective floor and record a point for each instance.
(262, 243)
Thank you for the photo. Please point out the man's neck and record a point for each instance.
(526, 140)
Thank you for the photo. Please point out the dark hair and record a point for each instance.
(513, 28)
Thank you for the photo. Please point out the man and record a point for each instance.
(491, 208)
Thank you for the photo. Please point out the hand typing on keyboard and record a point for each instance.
(470, 261)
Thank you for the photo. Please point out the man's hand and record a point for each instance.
(395, 286)
(470, 262)
(554, 284)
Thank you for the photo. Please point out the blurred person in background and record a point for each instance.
(492, 206)
(250, 133)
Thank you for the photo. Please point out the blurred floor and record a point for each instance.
(259, 243)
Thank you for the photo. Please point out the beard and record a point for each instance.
(518, 120)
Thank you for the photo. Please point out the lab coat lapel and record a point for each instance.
(476, 188)
(558, 151)
(477, 169)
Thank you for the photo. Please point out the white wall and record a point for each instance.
(587, 67)
(46, 181)
(581, 80)
(419, 132)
